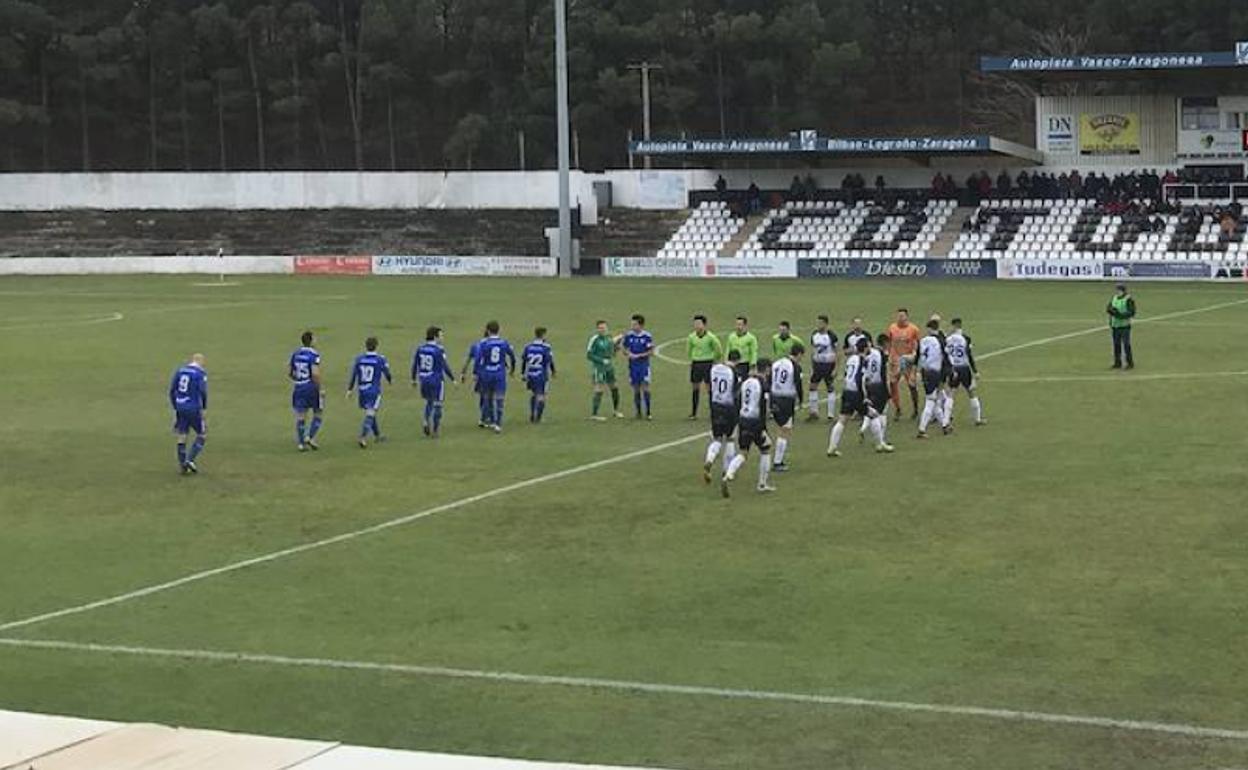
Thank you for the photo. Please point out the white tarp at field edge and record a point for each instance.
(206, 265)
(351, 758)
(26, 736)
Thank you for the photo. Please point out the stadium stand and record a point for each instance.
(846, 230)
(81, 233)
(708, 230)
(1031, 228)
(629, 232)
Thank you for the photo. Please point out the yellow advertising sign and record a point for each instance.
(1109, 133)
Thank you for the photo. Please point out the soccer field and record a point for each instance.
(1061, 588)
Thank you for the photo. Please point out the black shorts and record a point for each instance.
(932, 381)
(962, 377)
(700, 371)
(853, 403)
(879, 396)
(822, 373)
(753, 433)
(782, 410)
(946, 374)
(723, 421)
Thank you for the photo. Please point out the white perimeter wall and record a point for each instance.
(660, 189)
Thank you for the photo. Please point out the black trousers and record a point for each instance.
(1122, 345)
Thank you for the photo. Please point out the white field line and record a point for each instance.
(196, 577)
(658, 351)
(52, 323)
(1121, 378)
(29, 323)
(1104, 328)
(651, 688)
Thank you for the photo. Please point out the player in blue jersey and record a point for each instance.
(305, 372)
(539, 370)
(639, 346)
(471, 363)
(188, 395)
(367, 371)
(430, 370)
(496, 361)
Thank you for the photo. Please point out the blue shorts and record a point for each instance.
(185, 422)
(304, 400)
(536, 385)
(370, 400)
(431, 390)
(638, 375)
(496, 384)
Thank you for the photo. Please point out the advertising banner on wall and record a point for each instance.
(1175, 270)
(333, 265)
(897, 268)
(1109, 133)
(664, 267)
(532, 267)
(1051, 269)
(751, 268)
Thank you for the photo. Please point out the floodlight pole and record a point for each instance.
(561, 89)
(645, 67)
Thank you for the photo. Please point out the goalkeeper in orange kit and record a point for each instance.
(903, 338)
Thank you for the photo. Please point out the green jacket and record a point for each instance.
(745, 344)
(781, 346)
(704, 348)
(601, 350)
(1121, 310)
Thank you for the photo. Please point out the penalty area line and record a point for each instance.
(283, 553)
(639, 687)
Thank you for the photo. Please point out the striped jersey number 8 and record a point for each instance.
(184, 383)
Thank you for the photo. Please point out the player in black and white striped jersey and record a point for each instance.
(724, 397)
(962, 360)
(932, 367)
(752, 429)
(854, 401)
(786, 394)
(822, 368)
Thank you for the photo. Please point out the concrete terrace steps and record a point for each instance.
(504, 232)
(951, 232)
(65, 743)
(630, 232)
(733, 247)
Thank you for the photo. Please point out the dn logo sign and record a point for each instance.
(1061, 123)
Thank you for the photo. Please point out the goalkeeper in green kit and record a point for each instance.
(601, 355)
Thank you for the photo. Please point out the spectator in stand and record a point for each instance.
(754, 198)
(812, 187)
(1004, 184)
(797, 191)
(1024, 183)
(721, 187)
(879, 183)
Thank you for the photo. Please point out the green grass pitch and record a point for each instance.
(1085, 553)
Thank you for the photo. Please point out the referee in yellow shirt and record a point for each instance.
(745, 343)
(702, 349)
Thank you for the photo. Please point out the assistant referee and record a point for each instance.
(702, 349)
